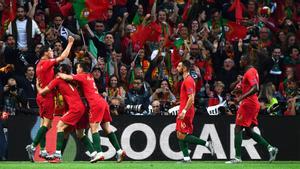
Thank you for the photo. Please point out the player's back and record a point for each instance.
(90, 91)
(69, 93)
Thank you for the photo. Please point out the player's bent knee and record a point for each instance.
(94, 127)
(180, 136)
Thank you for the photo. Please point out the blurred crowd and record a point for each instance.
(133, 51)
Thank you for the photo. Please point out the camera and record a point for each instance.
(13, 88)
(232, 108)
(114, 107)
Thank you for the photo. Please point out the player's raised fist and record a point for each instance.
(71, 39)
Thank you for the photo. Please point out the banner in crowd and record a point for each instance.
(154, 138)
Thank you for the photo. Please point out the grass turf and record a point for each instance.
(153, 165)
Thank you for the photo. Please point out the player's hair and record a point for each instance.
(187, 64)
(246, 58)
(85, 66)
(44, 49)
(65, 68)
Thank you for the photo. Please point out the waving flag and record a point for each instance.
(90, 10)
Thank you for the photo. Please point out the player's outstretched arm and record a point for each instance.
(65, 76)
(66, 52)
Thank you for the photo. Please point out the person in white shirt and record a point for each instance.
(24, 29)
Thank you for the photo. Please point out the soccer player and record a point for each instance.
(99, 110)
(185, 117)
(76, 110)
(246, 117)
(45, 73)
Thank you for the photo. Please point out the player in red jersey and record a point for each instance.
(76, 110)
(45, 73)
(99, 110)
(185, 117)
(246, 117)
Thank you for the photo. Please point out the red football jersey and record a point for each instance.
(69, 93)
(45, 71)
(90, 91)
(250, 79)
(188, 87)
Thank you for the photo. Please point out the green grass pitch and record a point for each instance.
(153, 165)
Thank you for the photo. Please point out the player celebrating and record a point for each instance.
(99, 110)
(45, 73)
(185, 117)
(76, 110)
(246, 117)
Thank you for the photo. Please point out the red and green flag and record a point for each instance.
(235, 31)
(90, 10)
(187, 10)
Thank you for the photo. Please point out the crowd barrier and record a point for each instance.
(154, 138)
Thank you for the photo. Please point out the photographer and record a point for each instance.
(164, 95)
(137, 99)
(116, 106)
(13, 98)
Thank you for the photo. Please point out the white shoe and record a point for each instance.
(273, 153)
(120, 156)
(98, 157)
(30, 150)
(234, 161)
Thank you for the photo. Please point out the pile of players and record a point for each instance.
(76, 116)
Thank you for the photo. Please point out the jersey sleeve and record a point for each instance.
(78, 77)
(190, 86)
(252, 77)
(53, 83)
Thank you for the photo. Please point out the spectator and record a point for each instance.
(227, 74)
(99, 79)
(216, 96)
(292, 95)
(115, 106)
(156, 107)
(137, 99)
(113, 89)
(28, 84)
(124, 77)
(62, 31)
(164, 95)
(23, 29)
(273, 66)
(13, 98)
(267, 99)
